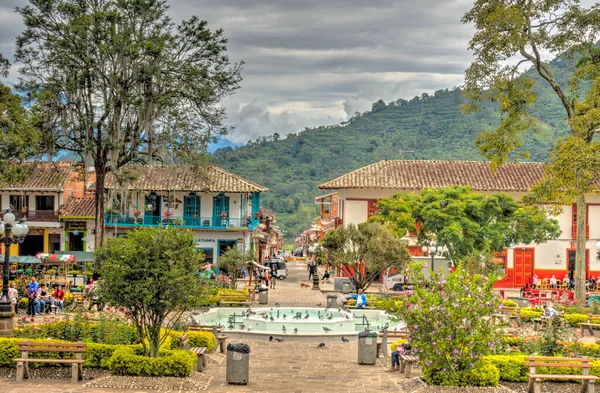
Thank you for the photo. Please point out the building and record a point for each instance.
(267, 237)
(219, 207)
(359, 191)
(38, 199)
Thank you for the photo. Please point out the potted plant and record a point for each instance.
(168, 214)
(136, 213)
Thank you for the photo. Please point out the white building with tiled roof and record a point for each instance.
(218, 206)
(359, 191)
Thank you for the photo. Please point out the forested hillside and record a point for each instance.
(426, 127)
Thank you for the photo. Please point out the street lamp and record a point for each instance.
(19, 230)
(433, 251)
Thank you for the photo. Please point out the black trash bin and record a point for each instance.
(238, 364)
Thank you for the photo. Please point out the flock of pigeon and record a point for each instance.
(321, 345)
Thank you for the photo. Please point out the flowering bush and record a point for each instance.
(448, 325)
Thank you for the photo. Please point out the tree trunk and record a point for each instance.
(580, 273)
(99, 208)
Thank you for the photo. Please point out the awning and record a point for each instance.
(66, 258)
(80, 256)
(22, 259)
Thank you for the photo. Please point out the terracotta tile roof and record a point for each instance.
(48, 176)
(186, 178)
(419, 175)
(79, 207)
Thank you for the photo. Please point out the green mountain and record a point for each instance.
(426, 127)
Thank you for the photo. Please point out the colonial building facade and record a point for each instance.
(359, 191)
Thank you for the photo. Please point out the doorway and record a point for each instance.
(523, 266)
(76, 241)
(152, 209)
(571, 253)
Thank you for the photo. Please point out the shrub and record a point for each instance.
(97, 355)
(575, 319)
(23, 302)
(448, 327)
(129, 361)
(483, 373)
(529, 314)
(511, 368)
(9, 352)
(509, 303)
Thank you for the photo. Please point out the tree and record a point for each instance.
(523, 30)
(234, 260)
(468, 224)
(19, 139)
(448, 326)
(118, 83)
(154, 274)
(364, 251)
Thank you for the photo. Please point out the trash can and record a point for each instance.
(523, 302)
(367, 347)
(332, 301)
(263, 296)
(238, 364)
(346, 287)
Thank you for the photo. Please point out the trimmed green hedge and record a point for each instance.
(509, 303)
(484, 373)
(513, 369)
(128, 361)
(575, 319)
(529, 314)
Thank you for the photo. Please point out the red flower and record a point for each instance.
(108, 308)
(32, 320)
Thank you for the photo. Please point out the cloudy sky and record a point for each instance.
(316, 62)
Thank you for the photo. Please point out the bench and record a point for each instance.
(184, 344)
(406, 363)
(27, 346)
(227, 299)
(535, 379)
(508, 313)
(216, 330)
(590, 324)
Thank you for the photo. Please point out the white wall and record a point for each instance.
(355, 212)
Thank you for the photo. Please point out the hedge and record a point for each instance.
(529, 314)
(509, 303)
(484, 373)
(513, 369)
(127, 360)
(575, 319)
(197, 339)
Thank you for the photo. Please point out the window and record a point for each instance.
(44, 202)
(18, 202)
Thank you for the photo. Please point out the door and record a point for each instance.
(191, 210)
(152, 211)
(220, 210)
(571, 263)
(523, 266)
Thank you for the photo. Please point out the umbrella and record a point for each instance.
(258, 266)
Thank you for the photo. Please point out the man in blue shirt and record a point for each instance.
(361, 299)
(32, 292)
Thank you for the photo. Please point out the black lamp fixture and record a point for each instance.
(10, 233)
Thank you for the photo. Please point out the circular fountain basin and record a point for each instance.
(298, 321)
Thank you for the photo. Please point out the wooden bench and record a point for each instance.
(216, 330)
(535, 379)
(226, 300)
(385, 334)
(508, 313)
(589, 325)
(406, 363)
(27, 346)
(184, 343)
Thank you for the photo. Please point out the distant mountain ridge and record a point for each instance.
(425, 127)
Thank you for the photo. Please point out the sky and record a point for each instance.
(317, 62)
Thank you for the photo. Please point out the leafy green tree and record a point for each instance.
(234, 260)
(448, 325)
(118, 83)
(363, 251)
(525, 30)
(467, 223)
(154, 274)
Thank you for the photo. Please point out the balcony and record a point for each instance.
(37, 215)
(125, 220)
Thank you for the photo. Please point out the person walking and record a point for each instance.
(32, 292)
(273, 278)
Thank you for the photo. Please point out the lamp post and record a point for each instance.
(19, 230)
(433, 251)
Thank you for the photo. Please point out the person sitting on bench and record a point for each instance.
(400, 350)
(326, 275)
(361, 299)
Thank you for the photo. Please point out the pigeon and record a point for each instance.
(250, 328)
(326, 330)
(284, 316)
(272, 319)
(276, 304)
(283, 328)
(330, 317)
(242, 326)
(270, 338)
(306, 317)
(295, 330)
(230, 327)
(279, 339)
(345, 340)
(347, 317)
(319, 305)
(322, 345)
